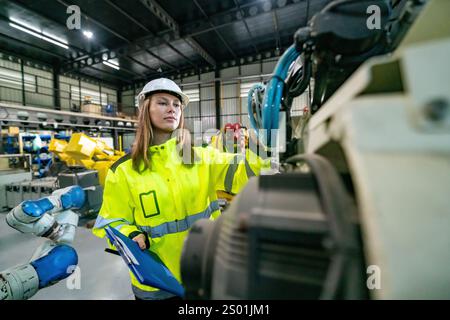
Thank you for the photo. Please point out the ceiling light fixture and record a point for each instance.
(111, 64)
(34, 31)
(88, 34)
(49, 35)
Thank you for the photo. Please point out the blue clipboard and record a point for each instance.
(145, 265)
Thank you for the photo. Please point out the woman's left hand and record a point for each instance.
(140, 239)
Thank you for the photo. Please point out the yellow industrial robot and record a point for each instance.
(85, 151)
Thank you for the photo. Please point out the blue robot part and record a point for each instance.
(55, 265)
(74, 198)
(37, 208)
(109, 108)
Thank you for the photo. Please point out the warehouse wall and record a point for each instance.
(207, 102)
(73, 91)
(38, 83)
(67, 97)
(43, 94)
(129, 102)
(10, 82)
(111, 95)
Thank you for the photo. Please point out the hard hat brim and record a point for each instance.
(183, 98)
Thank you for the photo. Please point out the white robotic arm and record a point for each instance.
(49, 217)
(52, 218)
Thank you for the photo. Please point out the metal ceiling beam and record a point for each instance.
(186, 71)
(192, 29)
(53, 54)
(69, 67)
(26, 7)
(152, 40)
(228, 17)
(101, 25)
(167, 20)
(31, 45)
(199, 49)
(277, 33)
(215, 29)
(162, 15)
(124, 13)
(181, 55)
(252, 9)
(241, 13)
(109, 74)
(71, 46)
(118, 52)
(284, 41)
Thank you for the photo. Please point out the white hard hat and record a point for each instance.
(163, 85)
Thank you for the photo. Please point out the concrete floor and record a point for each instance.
(104, 276)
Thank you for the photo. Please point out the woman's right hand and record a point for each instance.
(140, 239)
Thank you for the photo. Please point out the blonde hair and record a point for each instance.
(144, 138)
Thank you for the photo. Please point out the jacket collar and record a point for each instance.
(165, 147)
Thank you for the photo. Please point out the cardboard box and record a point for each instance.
(91, 108)
(13, 130)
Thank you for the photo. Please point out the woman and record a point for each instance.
(157, 192)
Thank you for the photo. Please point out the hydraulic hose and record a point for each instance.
(274, 92)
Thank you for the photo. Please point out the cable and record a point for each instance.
(269, 117)
(254, 91)
(300, 80)
(274, 91)
(259, 94)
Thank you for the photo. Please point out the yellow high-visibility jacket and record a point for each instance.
(165, 200)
